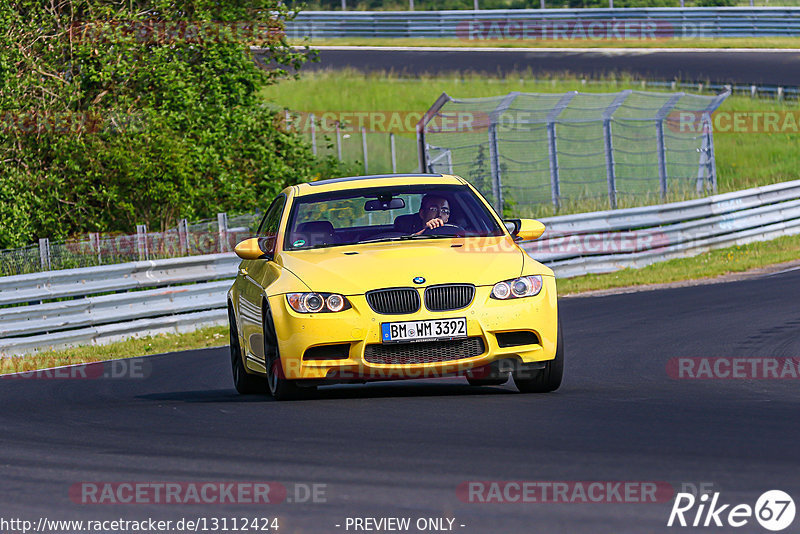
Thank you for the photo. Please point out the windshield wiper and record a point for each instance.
(377, 240)
(405, 238)
(429, 236)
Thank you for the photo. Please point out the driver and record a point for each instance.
(434, 212)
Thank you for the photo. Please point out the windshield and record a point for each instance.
(394, 213)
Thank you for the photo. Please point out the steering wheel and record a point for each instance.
(446, 229)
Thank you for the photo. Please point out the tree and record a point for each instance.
(114, 113)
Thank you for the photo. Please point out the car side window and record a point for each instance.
(268, 231)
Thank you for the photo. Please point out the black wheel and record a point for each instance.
(547, 379)
(278, 385)
(244, 382)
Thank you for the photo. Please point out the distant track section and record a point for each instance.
(735, 66)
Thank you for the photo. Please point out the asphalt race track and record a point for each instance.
(761, 67)
(403, 449)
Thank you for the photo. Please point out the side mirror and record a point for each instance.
(524, 229)
(250, 249)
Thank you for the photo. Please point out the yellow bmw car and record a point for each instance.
(391, 277)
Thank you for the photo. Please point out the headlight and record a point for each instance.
(317, 302)
(524, 286)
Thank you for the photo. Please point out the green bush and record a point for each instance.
(102, 128)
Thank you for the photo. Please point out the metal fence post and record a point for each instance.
(394, 153)
(44, 253)
(708, 138)
(609, 147)
(364, 148)
(94, 241)
(422, 150)
(552, 146)
(183, 237)
(422, 147)
(662, 159)
(313, 135)
(494, 164)
(222, 223)
(338, 141)
(713, 167)
(661, 145)
(610, 177)
(141, 241)
(494, 150)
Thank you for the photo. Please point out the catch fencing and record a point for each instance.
(101, 304)
(94, 249)
(524, 149)
(548, 24)
(342, 135)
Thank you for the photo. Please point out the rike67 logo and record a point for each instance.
(774, 510)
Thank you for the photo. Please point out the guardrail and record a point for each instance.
(607, 241)
(94, 305)
(102, 304)
(581, 24)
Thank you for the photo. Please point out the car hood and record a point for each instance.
(356, 269)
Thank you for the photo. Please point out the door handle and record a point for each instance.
(243, 272)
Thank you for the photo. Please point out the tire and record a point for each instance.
(278, 385)
(547, 379)
(245, 383)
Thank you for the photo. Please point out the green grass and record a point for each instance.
(214, 336)
(725, 42)
(709, 265)
(744, 160)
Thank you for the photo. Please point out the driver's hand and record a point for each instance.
(434, 223)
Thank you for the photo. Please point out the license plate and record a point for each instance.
(424, 330)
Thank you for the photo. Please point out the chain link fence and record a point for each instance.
(345, 136)
(578, 150)
(203, 237)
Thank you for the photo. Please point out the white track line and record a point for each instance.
(606, 51)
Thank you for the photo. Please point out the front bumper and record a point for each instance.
(360, 327)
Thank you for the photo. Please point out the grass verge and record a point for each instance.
(709, 265)
(710, 43)
(214, 336)
(712, 264)
(745, 158)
